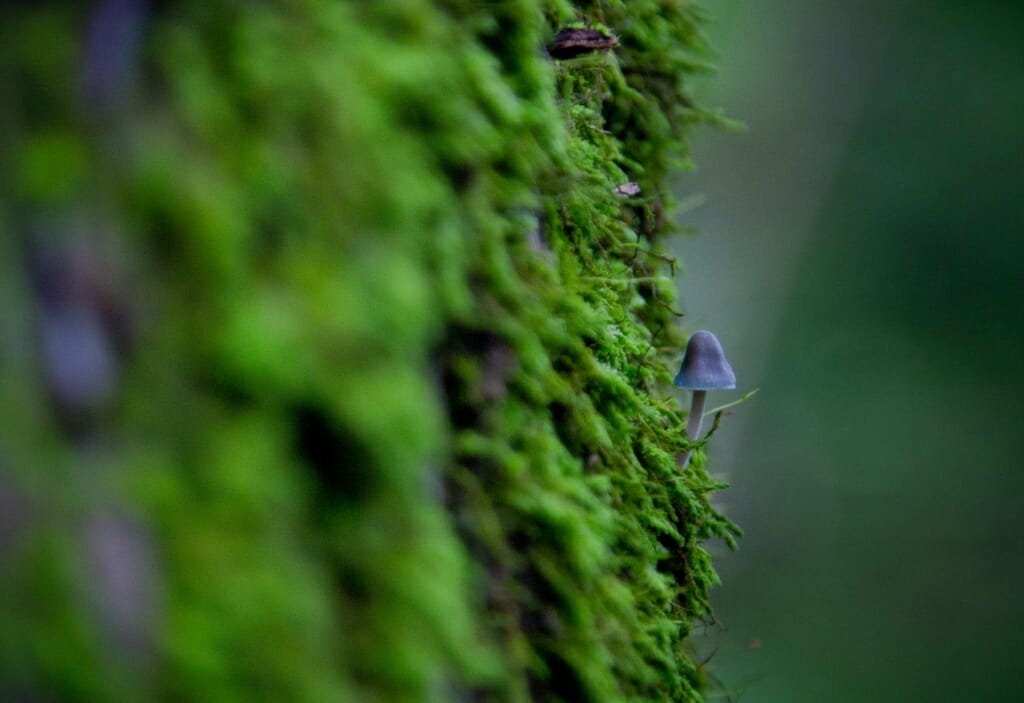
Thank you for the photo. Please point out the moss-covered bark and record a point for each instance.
(335, 366)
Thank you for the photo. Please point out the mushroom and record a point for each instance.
(704, 369)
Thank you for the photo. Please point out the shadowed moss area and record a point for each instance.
(384, 409)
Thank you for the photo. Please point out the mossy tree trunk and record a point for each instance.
(336, 353)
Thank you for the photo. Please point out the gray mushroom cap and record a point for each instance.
(704, 365)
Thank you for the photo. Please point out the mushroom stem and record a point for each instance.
(693, 422)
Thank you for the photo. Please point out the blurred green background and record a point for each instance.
(859, 258)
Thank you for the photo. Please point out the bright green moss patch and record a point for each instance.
(392, 418)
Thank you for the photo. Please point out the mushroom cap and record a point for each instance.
(704, 365)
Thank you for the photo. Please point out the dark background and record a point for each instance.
(859, 257)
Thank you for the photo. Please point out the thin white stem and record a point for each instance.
(693, 423)
(696, 416)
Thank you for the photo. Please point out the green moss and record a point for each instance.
(395, 413)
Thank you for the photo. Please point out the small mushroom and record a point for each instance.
(704, 369)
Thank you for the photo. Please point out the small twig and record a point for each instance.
(650, 347)
(607, 279)
(668, 307)
(667, 258)
(714, 428)
(718, 413)
(733, 404)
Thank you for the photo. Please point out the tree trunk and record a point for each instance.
(336, 347)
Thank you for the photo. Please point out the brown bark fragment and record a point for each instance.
(569, 43)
